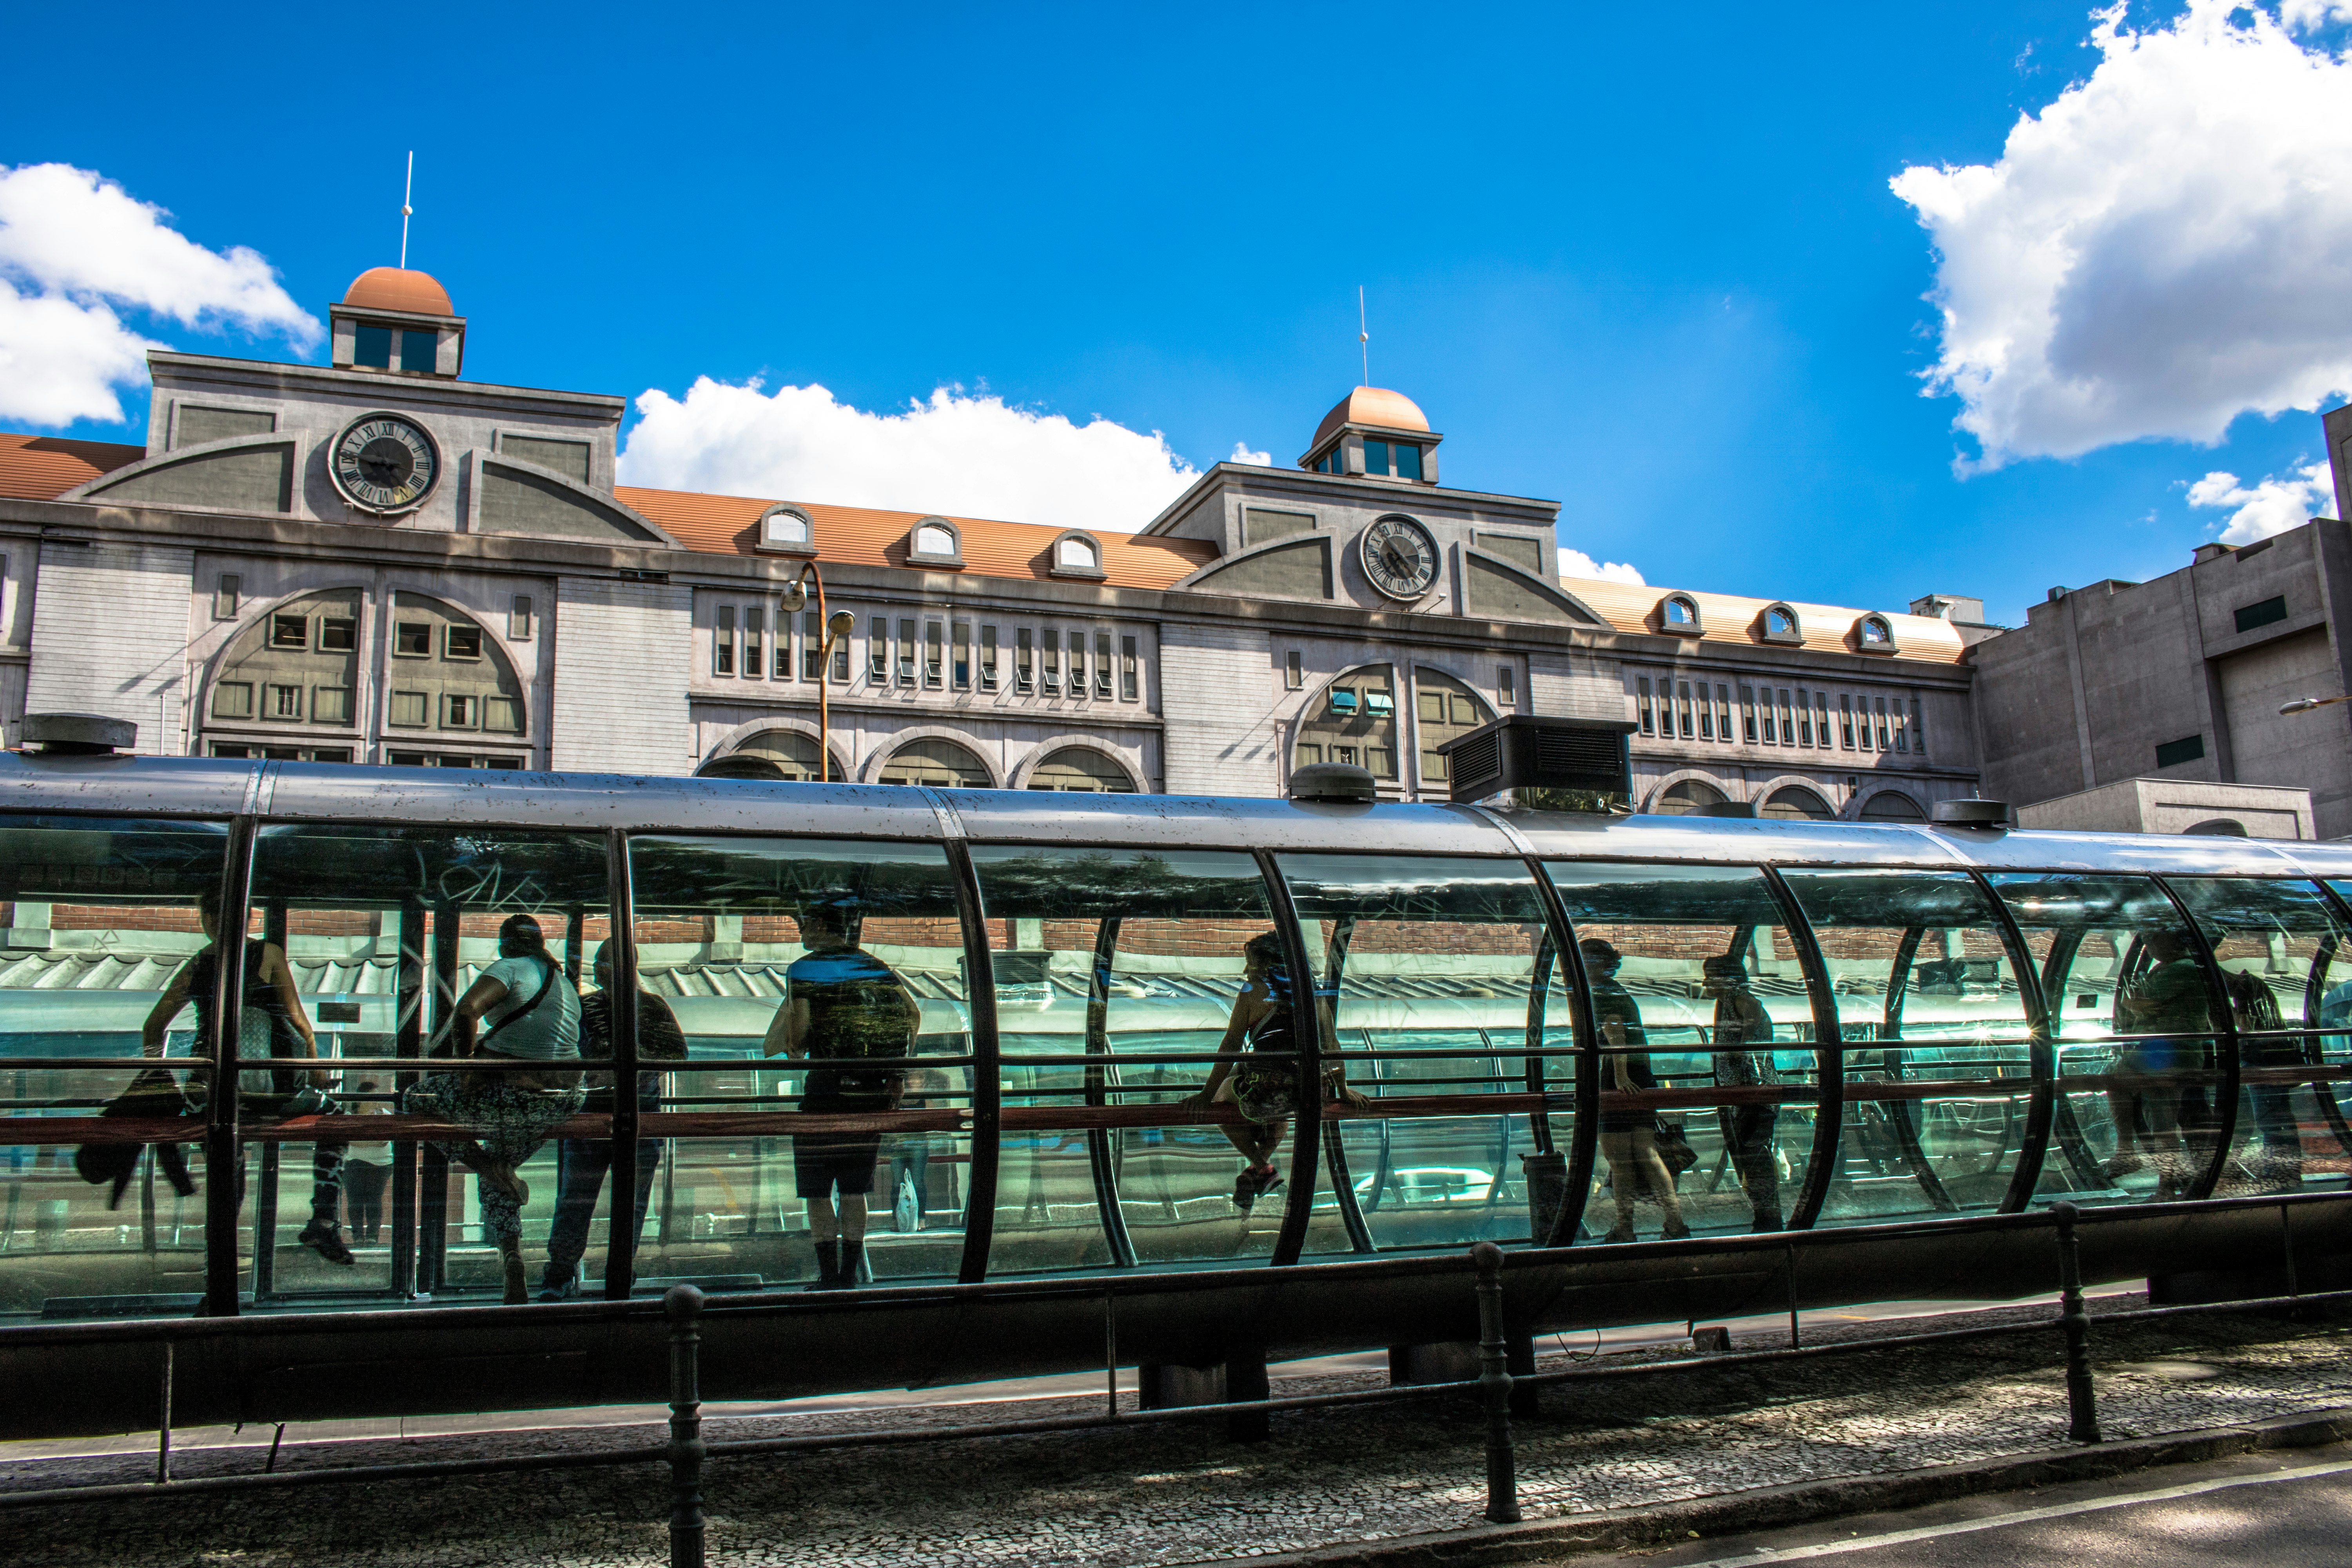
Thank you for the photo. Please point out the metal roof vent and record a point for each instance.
(1971, 813)
(1727, 808)
(79, 734)
(1332, 781)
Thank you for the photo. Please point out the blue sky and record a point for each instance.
(1647, 263)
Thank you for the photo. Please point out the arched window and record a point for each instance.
(787, 530)
(1685, 798)
(794, 753)
(1679, 615)
(1076, 554)
(1779, 624)
(1874, 634)
(290, 682)
(2220, 828)
(1353, 720)
(934, 541)
(1794, 803)
(940, 763)
(448, 675)
(1444, 708)
(1892, 805)
(1081, 769)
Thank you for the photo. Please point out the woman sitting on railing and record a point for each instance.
(534, 1017)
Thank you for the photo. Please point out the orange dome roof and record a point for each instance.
(392, 289)
(1374, 405)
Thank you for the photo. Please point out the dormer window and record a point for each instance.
(1392, 459)
(1076, 554)
(787, 530)
(376, 347)
(1874, 634)
(1334, 461)
(934, 541)
(1678, 615)
(1781, 625)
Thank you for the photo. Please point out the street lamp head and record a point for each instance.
(2300, 705)
(840, 624)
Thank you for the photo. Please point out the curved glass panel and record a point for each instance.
(101, 920)
(1427, 965)
(1121, 976)
(806, 977)
(1709, 1085)
(2132, 1027)
(2287, 970)
(1938, 1059)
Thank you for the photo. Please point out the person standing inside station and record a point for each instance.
(1740, 1024)
(1629, 1137)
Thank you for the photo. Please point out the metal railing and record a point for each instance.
(687, 1452)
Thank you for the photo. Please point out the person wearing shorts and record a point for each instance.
(1256, 1069)
(841, 1005)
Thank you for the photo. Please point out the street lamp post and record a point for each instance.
(836, 627)
(2306, 704)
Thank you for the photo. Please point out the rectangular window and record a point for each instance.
(1845, 723)
(502, 713)
(722, 642)
(371, 347)
(1294, 671)
(1723, 714)
(840, 660)
(1024, 675)
(1309, 755)
(755, 640)
(460, 710)
(410, 707)
(290, 631)
(1130, 671)
(2172, 754)
(1787, 720)
(877, 652)
(225, 597)
(233, 700)
(1881, 705)
(1381, 761)
(1862, 711)
(811, 639)
(1804, 720)
(331, 705)
(2262, 614)
(988, 659)
(1705, 714)
(1642, 709)
(461, 642)
(1683, 709)
(934, 639)
(1822, 718)
(1507, 686)
(1902, 730)
(907, 653)
(960, 655)
(1918, 727)
(285, 703)
(412, 639)
(1771, 728)
(1102, 664)
(1050, 659)
(1747, 714)
(338, 634)
(1408, 460)
(518, 619)
(1376, 457)
(416, 349)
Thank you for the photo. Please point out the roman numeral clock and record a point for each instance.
(385, 463)
(1398, 556)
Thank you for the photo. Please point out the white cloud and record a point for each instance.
(74, 247)
(1242, 454)
(971, 456)
(2271, 507)
(1577, 563)
(2165, 247)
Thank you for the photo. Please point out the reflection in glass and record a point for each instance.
(2131, 1009)
(1707, 1001)
(1427, 966)
(2285, 970)
(100, 918)
(819, 985)
(1120, 976)
(1939, 1061)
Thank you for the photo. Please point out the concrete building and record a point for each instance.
(377, 561)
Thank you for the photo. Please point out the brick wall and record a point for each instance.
(621, 653)
(110, 635)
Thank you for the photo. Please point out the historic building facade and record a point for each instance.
(376, 561)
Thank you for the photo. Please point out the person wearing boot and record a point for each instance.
(1740, 1021)
(841, 1005)
(1629, 1137)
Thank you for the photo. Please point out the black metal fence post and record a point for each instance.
(163, 1425)
(686, 1447)
(2081, 1399)
(1495, 1387)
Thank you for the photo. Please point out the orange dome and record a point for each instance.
(391, 288)
(1374, 405)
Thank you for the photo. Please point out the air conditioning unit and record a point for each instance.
(1525, 752)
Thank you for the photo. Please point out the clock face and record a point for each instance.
(385, 463)
(1400, 557)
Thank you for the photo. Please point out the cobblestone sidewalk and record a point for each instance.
(1181, 1493)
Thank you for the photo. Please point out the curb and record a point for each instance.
(1801, 1502)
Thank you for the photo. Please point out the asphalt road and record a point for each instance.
(2280, 1509)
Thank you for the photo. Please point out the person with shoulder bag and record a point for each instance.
(534, 1017)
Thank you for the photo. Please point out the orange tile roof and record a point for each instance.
(868, 536)
(1729, 617)
(43, 468)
